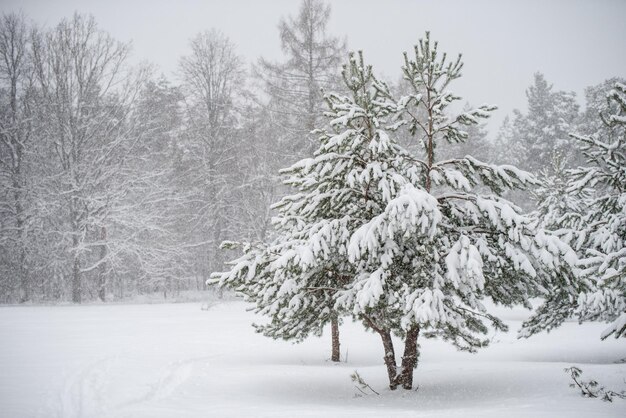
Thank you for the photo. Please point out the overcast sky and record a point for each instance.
(575, 43)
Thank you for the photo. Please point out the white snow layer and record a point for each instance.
(176, 360)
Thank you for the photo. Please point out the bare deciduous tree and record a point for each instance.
(312, 62)
(213, 85)
(16, 107)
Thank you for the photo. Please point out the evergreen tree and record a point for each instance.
(294, 88)
(406, 245)
(313, 227)
(597, 232)
(596, 104)
(557, 207)
(506, 149)
(479, 147)
(443, 243)
(544, 129)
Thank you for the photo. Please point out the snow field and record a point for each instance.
(176, 360)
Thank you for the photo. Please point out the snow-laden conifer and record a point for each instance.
(294, 279)
(446, 240)
(597, 231)
(558, 209)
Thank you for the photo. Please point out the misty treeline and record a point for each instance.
(116, 180)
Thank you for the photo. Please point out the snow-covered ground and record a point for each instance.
(177, 360)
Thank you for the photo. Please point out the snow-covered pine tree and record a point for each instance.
(436, 244)
(598, 232)
(596, 103)
(543, 129)
(479, 147)
(295, 278)
(551, 115)
(557, 208)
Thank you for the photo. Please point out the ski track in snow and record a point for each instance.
(84, 392)
(174, 376)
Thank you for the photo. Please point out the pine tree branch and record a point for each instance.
(590, 388)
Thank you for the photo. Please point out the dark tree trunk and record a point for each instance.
(390, 358)
(403, 377)
(334, 324)
(409, 359)
(390, 354)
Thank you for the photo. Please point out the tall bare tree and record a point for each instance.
(213, 81)
(16, 109)
(312, 62)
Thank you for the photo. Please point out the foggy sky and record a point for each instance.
(575, 43)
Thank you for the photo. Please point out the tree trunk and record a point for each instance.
(334, 324)
(76, 282)
(21, 231)
(390, 358)
(120, 282)
(217, 253)
(76, 279)
(409, 359)
(24, 282)
(102, 280)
